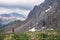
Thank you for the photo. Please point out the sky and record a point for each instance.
(18, 6)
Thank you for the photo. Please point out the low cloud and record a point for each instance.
(10, 10)
(18, 6)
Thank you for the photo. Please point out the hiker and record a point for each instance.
(13, 29)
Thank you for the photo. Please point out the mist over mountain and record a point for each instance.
(13, 15)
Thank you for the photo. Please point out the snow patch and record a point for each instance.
(50, 29)
(33, 29)
(43, 27)
(48, 9)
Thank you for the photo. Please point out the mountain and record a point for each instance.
(6, 19)
(45, 16)
(9, 27)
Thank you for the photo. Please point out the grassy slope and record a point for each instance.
(43, 35)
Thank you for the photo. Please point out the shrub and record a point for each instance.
(21, 36)
(2, 37)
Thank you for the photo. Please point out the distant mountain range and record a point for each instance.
(13, 15)
(6, 19)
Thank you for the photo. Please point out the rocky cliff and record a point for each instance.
(45, 16)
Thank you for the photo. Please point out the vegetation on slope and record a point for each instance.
(43, 35)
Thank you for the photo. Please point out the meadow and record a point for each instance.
(37, 35)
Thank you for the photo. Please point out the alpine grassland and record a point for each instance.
(37, 35)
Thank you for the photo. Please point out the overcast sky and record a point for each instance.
(18, 6)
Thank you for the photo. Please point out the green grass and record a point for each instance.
(43, 35)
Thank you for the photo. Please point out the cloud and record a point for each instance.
(18, 6)
(15, 2)
(24, 7)
(11, 10)
(22, 4)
